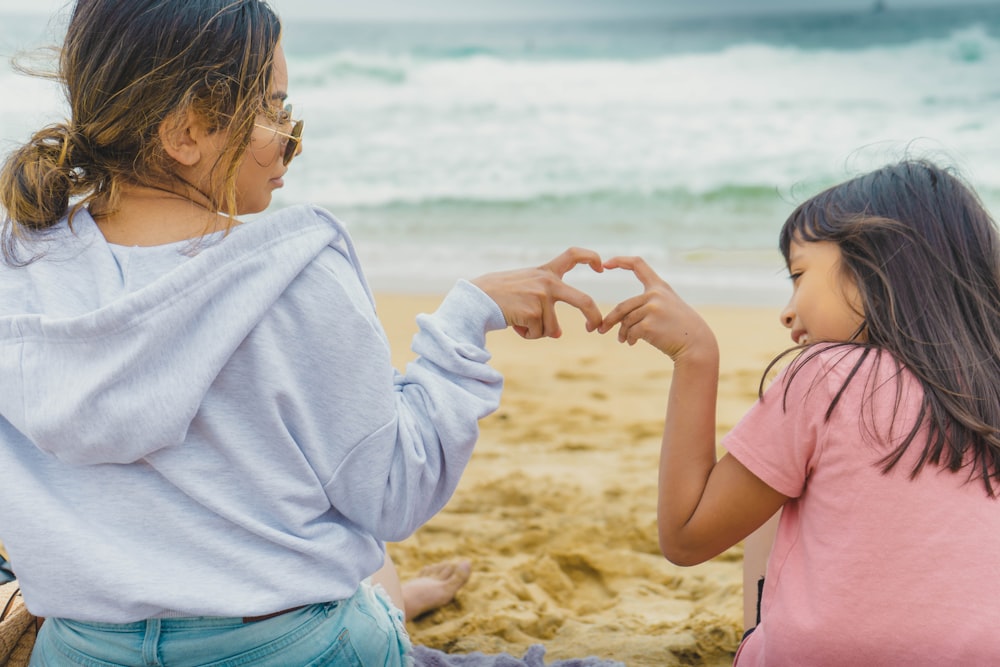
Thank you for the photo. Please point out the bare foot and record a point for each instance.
(434, 587)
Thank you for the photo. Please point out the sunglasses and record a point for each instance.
(294, 137)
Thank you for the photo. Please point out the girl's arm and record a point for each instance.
(705, 506)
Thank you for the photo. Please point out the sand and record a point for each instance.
(557, 508)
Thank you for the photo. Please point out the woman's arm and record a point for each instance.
(403, 440)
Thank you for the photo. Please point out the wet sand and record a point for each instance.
(557, 508)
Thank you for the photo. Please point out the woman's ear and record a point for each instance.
(185, 137)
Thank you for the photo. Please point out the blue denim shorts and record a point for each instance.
(6, 574)
(366, 630)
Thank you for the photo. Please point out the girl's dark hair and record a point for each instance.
(126, 67)
(923, 252)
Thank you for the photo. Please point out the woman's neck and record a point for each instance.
(150, 216)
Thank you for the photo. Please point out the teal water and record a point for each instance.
(456, 148)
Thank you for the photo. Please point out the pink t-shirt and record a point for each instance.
(867, 568)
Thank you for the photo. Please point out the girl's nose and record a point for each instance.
(787, 317)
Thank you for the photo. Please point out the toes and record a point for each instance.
(447, 570)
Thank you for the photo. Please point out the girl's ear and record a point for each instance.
(185, 137)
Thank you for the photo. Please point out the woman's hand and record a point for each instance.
(527, 297)
(658, 316)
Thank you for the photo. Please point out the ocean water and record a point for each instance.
(451, 149)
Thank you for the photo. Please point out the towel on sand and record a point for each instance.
(534, 657)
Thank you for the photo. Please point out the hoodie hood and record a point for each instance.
(94, 372)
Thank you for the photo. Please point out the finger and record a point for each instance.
(521, 331)
(637, 265)
(582, 302)
(550, 323)
(622, 332)
(631, 325)
(528, 333)
(630, 334)
(636, 331)
(619, 312)
(571, 258)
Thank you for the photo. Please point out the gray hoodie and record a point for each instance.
(215, 428)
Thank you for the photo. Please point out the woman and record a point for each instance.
(208, 443)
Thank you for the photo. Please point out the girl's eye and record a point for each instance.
(794, 276)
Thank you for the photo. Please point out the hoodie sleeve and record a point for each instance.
(390, 448)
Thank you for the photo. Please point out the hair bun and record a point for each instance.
(38, 179)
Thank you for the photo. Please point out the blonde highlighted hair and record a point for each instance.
(126, 67)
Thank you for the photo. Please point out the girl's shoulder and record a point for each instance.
(839, 367)
(841, 358)
(850, 381)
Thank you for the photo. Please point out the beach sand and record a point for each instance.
(557, 509)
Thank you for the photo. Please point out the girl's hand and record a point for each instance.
(527, 297)
(658, 316)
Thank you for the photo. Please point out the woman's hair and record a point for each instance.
(923, 252)
(126, 67)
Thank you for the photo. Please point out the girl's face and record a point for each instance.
(261, 171)
(825, 303)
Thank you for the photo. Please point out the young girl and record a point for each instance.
(204, 444)
(880, 442)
